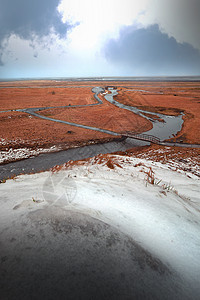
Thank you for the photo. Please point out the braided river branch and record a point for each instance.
(160, 131)
(46, 161)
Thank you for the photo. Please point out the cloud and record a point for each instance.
(148, 51)
(34, 32)
(178, 18)
(29, 18)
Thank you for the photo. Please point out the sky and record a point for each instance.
(85, 38)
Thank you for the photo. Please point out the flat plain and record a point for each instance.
(21, 130)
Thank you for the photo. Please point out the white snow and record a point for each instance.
(163, 217)
(21, 153)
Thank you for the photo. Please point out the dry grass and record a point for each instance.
(173, 99)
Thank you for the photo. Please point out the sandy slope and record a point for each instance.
(100, 228)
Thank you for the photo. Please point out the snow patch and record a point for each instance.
(22, 153)
(163, 217)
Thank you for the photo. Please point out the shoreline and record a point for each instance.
(108, 78)
(71, 141)
(61, 149)
(90, 206)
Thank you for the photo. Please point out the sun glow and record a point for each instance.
(98, 20)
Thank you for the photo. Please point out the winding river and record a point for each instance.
(163, 130)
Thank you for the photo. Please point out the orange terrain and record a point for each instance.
(169, 98)
(18, 129)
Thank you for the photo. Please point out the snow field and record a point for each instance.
(163, 218)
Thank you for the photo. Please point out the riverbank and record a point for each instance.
(122, 218)
(13, 154)
(120, 225)
(22, 133)
(171, 98)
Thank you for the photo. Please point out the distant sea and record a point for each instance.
(150, 78)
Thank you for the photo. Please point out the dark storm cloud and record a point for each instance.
(178, 18)
(150, 52)
(28, 17)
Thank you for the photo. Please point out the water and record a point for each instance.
(167, 130)
(48, 160)
(163, 130)
(117, 78)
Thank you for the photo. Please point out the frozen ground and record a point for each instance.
(22, 153)
(113, 227)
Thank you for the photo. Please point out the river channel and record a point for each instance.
(42, 162)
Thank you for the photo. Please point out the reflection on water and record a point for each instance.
(163, 130)
(172, 125)
(46, 161)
